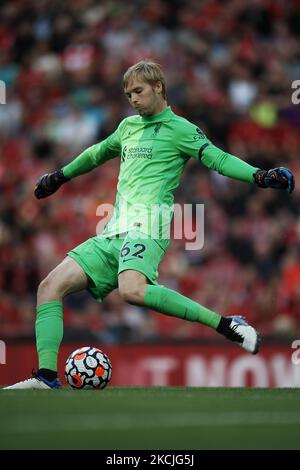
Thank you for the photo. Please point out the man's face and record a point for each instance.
(147, 100)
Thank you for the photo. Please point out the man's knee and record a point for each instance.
(48, 287)
(43, 286)
(132, 287)
(132, 295)
(66, 278)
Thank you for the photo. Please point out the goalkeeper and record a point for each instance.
(154, 147)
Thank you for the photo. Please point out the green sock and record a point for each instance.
(172, 303)
(49, 333)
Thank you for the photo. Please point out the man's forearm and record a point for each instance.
(227, 164)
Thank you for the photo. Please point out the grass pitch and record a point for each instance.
(150, 418)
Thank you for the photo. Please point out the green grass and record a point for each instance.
(150, 418)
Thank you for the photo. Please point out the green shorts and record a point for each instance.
(103, 259)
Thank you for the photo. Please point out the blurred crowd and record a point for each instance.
(230, 66)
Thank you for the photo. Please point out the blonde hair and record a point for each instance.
(147, 71)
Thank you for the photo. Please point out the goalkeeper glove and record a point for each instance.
(277, 178)
(49, 183)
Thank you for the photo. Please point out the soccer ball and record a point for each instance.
(88, 368)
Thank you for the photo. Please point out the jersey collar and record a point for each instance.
(165, 115)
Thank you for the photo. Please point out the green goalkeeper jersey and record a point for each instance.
(153, 152)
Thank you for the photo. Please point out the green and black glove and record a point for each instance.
(49, 183)
(277, 178)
